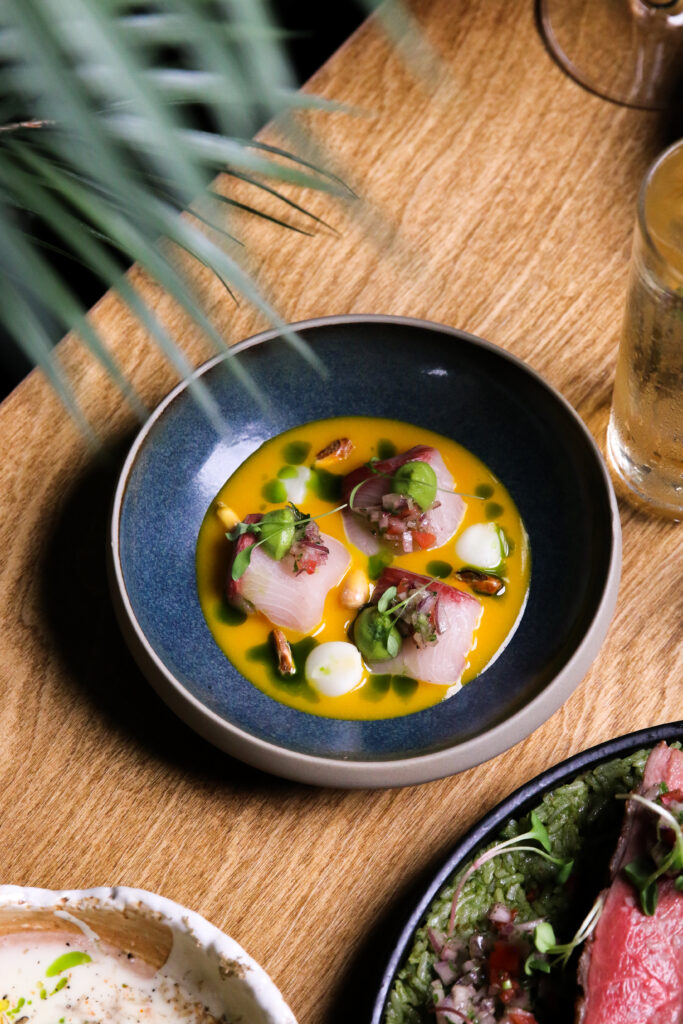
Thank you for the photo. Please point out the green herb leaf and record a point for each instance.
(241, 528)
(241, 562)
(393, 643)
(544, 937)
(535, 963)
(386, 599)
(565, 871)
(539, 832)
(638, 871)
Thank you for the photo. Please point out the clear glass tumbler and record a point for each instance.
(645, 433)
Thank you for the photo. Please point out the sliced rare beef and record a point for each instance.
(631, 970)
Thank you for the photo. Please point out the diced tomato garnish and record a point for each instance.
(424, 539)
(506, 995)
(521, 1017)
(672, 796)
(503, 962)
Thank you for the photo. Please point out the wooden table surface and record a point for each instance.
(499, 198)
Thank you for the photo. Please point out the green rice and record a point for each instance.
(583, 821)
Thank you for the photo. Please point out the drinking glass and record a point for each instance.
(629, 51)
(645, 433)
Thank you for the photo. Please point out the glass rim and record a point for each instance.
(642, 193)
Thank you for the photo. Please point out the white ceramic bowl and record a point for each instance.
(160, 932)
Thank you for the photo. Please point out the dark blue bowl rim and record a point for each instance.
(516, 805)
(321, 770)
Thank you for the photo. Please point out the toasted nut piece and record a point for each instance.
(356, 589)
(335, 451)
(226, 515)
(285, 661)
(481, 582)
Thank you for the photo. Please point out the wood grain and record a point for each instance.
(498, 197)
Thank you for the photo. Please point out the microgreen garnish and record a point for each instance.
(546, 944)
(384, 601)
(639, 871)
(374, 631)
(290, 520)
(537, 832)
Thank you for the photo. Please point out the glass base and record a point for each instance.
(641, 484)
(627, 51)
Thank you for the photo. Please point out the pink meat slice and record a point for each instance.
(270, 587)
(631, 970)
(442, 521)
(443, 662)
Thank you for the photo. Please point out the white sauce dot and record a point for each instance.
(296, 484)
(480, 546)
(334, 668)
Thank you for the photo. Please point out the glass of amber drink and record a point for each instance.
(645, 433)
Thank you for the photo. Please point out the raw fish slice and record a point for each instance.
(358, 534)
(631, 970)
(458, 615)
(442, 521)
(294, 602)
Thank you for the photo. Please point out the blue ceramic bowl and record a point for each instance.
(435, 377)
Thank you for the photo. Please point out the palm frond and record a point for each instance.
(100, 142)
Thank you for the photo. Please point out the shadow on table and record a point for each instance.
(355, 992)
(77, 609)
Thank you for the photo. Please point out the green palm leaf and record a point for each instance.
(97, 138)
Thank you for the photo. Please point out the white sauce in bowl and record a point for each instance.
(68, 980)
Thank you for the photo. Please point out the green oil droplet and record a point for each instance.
(286, 473)
(439, 569)
(378, 563)
(274, 491)
(483, 490)
(229, 615)
(492, 510)
(376, 687)
(295, 452)
(404, 686)
(63, 963)
(326, 485)
(385, 448)
(296, 684)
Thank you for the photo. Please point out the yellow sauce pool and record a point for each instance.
(246, 643)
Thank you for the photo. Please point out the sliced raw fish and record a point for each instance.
(287, 599)
(442, 520)
(455, 615)
(631, 970)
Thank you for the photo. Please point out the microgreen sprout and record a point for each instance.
(546, 944)
(537, 832)
(640, 872)
(243, 558)
(374, 631)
